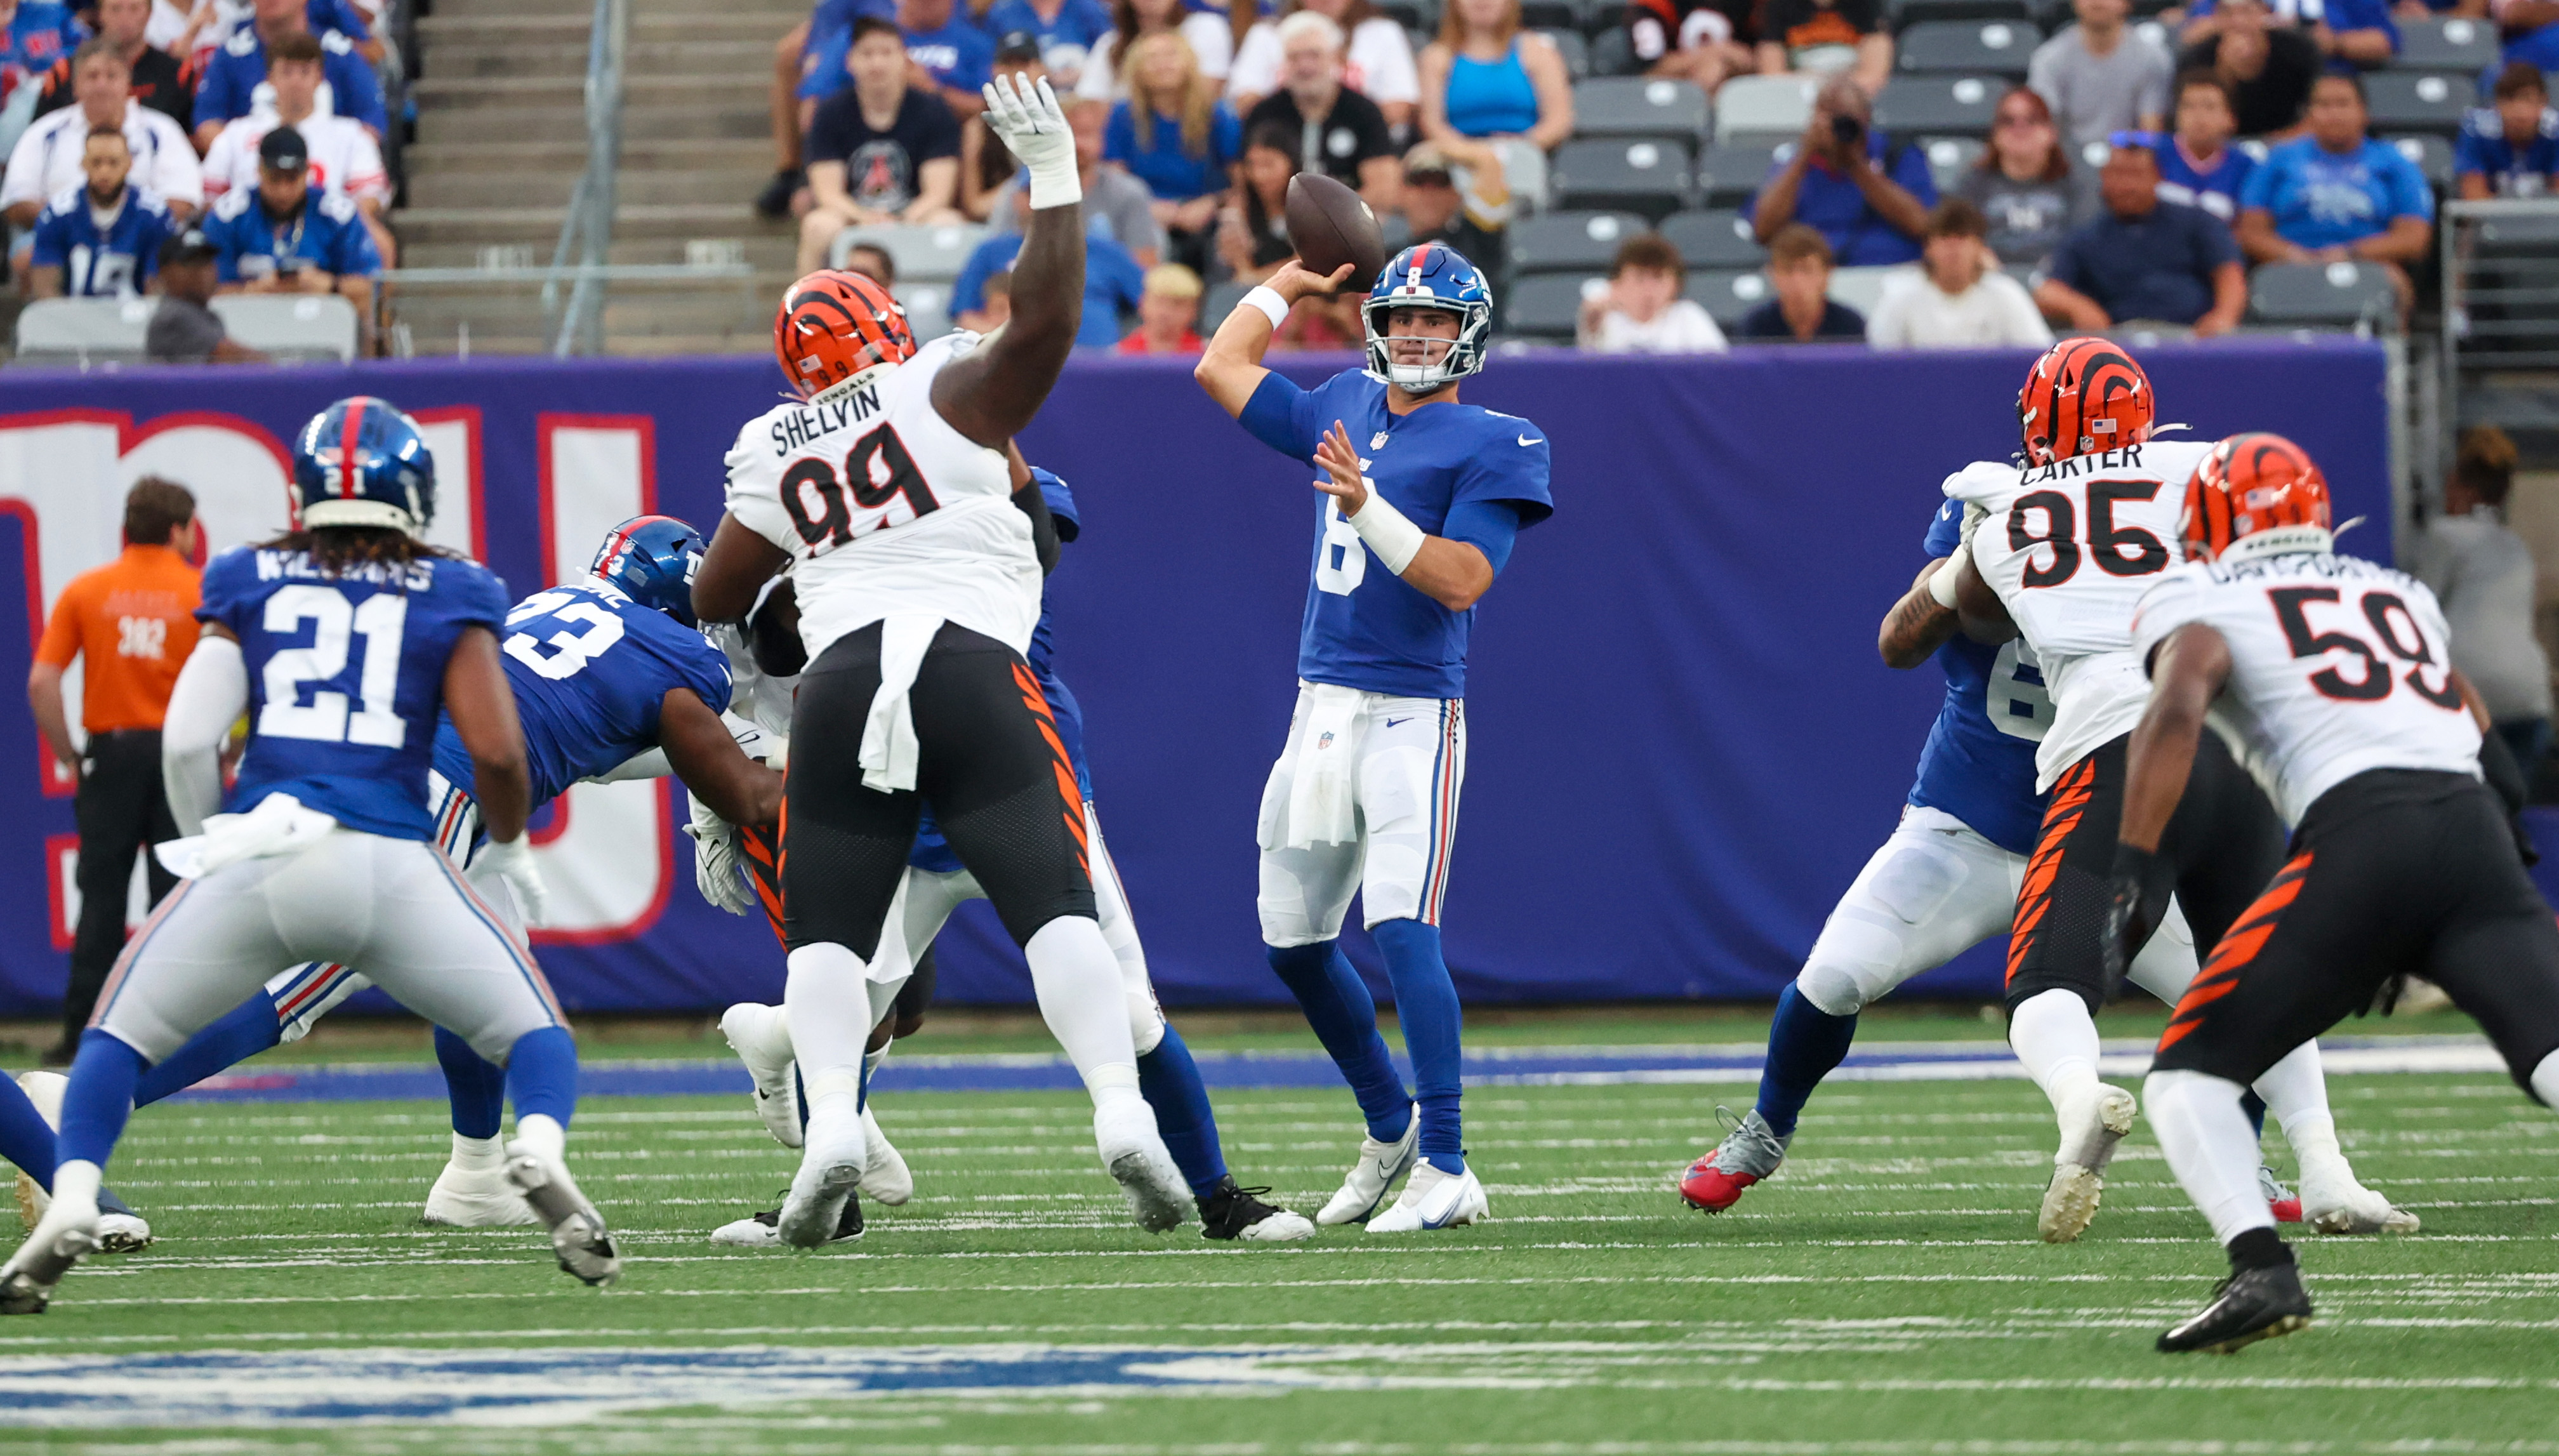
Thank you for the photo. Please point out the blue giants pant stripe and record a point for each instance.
(316, 984)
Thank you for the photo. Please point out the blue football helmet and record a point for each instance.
(361, 462)
(1428, 275)
(651, 560)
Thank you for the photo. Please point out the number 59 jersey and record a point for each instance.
(345, 676)
(2071, 547)
(2337, 666)
(886, 509)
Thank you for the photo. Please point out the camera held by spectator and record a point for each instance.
(1867, 194)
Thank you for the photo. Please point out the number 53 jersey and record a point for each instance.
(2071, 547)
(2337, 666)
(887, 511)
(345, 676)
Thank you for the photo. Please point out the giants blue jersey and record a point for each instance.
(590, 667)
(1366, 628)
(102, 262)
(1979, 764)
(345, 676)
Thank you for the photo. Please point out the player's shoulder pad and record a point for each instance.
(244, 42)
(2174, 600)
(228, 574)
(235, 202)
(754, 441)
(1982, 482)
(337, 207)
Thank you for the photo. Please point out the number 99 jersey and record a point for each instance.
(2071, 547)
(345, 676)
(887, 509)
(2337, 666)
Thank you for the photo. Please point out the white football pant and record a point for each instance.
(1408, 762)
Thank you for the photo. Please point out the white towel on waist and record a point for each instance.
(889, 746)
(1324, 781)
(278, 826)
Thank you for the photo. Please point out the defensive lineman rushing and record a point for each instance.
(342, 640)
(1363, 797)
(2331, 675)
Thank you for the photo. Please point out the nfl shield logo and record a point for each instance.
(1377, 441)
(1324, 741)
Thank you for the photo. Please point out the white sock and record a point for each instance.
(2054, 1036)
(478, 1154)
(830, 1005)
(540, 1134)
(871, 1059)
(1113, 1081)
(75, 1183)
(1078, 983)
(2545, 1080)
(2210, 1147)
(2296, 1091)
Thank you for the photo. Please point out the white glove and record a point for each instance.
(716, 871)
(777, 752)
(514, 863)
(1029, 122)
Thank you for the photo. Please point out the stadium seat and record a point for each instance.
(1727, 295)
(1862, 288)
(1547, 306)
(1413, 15)
(1579, 241)
(1911, 13)
(1599, 17)
(84, 329)
(1950, 157)
(2403, 100)
(1635, 107)
(1730, 175)
(1772, 105)
(1575, 52)
(1525, 168)
(1550, 15)
(2439, 44)
(928, 309)
(1612, 53)
(922, 253)
(2433, 156)
(1647, 175)
(1938, 105)
(1720, 238)
(304, 327)
(2337, 295)
(1966, 47)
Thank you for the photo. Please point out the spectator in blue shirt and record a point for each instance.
(1067, 30)
(2337, 194)
(2531, 30)
(948, 52)
(2143, 258)
(101, 240)
(2511, 149)
(283, 238)
(1868, 197)
(1175, 135)
(1112, 283)
(2198, 167)
(232, 78)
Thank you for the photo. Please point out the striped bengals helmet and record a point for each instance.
(2259, 489)
(2083, 396)
(836, 326)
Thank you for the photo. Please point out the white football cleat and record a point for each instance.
(761, 1037)
(764, 1231)
(1134, 1153)
(830, 1165)
(477, 1198)
(885, 1176)
(1433, 1200)
(2090, 1129)
(578, 1235)
(2334, 1202)
(1374, 1176)
(123, 1232)
(63, 1238)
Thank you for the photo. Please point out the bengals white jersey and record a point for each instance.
(2071, 547)
(887, 511)
(2337, 666)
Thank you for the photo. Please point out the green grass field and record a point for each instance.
(1884, 1294)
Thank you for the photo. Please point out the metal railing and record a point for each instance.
(587, 231)
(2501, 269)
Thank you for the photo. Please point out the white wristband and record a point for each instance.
(1268, 299)
(1394, 539)
(1941, 587)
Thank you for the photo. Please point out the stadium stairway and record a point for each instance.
(502, 139)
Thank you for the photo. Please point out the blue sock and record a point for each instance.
(1804, 1043)
(1170, 1081)
(1338, 1007)
(475, 1086)
(1425, 1003)
(99, 1098)
(248, 1029)
(2255, 1106)
(541, 1074)
(24, 1138)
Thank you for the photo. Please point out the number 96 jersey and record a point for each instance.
(886, 509)
(2071, 547)
(2337, 666)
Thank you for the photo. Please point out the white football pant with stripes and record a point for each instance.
(1408, 757)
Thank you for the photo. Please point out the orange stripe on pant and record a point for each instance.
(2070, 796)
(2221, 973)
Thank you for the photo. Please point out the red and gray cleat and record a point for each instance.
(1748, 1154)
(2283, 1201)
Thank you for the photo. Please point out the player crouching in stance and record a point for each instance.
(2332, 673)
(1364, 798)
(916, 564)
(342, 640)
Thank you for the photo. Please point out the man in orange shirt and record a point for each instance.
(134, 619)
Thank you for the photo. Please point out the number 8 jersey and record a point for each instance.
(888, 510)
(2071, 547)
(345, 676)
(2337, 666)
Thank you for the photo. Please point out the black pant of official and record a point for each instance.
(122, 809)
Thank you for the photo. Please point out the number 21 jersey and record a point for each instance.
(2071, 547)
(887, 511)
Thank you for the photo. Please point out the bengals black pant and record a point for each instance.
(2395, 871)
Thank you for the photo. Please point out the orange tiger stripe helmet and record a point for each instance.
(833, 326)
(2083, 396)
(2250, 484)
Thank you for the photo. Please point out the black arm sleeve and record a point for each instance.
(1044, 538)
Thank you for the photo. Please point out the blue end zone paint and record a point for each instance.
(1732, 1063)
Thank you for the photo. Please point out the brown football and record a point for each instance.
(1329, 226)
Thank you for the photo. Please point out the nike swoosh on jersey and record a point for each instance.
(1531, 440)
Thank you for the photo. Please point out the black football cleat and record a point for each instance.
(1230, 1212)
(2249, 1306)
(764, 1229)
